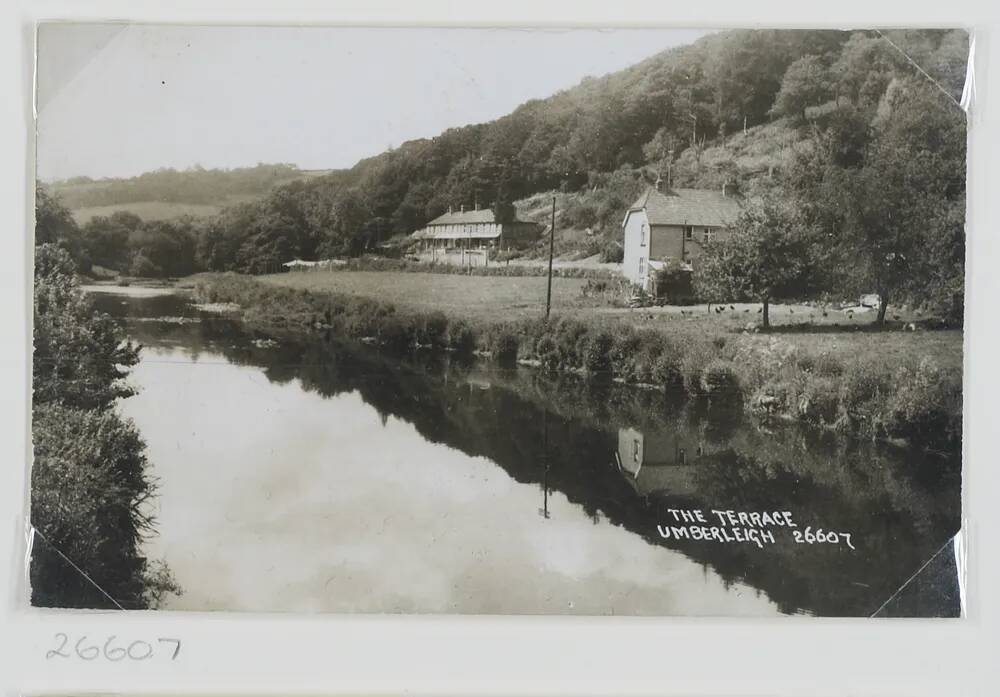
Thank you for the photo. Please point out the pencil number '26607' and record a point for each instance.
(110, 649)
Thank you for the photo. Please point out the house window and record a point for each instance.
(708, 234)
(642, 266)
(636, 449)
(688, 233)
(643, 234)
(682, 456)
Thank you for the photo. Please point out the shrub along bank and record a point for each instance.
(90, 484)
(866, 395)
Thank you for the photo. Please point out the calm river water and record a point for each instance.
(313, 475)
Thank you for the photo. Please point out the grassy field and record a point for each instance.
(470, 297)
(147, 210)
(500, 298)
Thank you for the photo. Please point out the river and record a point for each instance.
(312, 475)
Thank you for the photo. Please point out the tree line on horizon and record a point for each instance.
(194, 185)
(843, 95)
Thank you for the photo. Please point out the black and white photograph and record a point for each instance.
(478, 321)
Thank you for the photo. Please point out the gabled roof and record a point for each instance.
(433, 229)
(687, 207)
(483, 215)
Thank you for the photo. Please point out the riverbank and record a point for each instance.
(872, 384)
(92, 491)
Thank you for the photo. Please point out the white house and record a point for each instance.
(673, 224)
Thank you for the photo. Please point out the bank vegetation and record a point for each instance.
(907, 395)
(90, 483)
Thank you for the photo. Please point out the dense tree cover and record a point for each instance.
(879, 197)
(163, 248)
(195, 185)
(89, 484)
(886, 186)
(121, 242)
(661, 113)
(806, 84)
(125, 243)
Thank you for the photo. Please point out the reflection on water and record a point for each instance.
(319, 476)
(657, 462)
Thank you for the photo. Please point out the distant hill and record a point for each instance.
(732, 107)
(169, 193)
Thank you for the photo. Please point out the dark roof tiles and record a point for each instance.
(483, 215)
(688, 207)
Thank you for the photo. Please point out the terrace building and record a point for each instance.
(471, 235)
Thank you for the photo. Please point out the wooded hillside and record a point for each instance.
(745, 108)
(693, 100)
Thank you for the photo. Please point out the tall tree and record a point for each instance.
(767, 257)
(54, 224)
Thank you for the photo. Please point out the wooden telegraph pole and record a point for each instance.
(552, 242)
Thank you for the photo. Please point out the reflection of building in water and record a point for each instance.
(657, 463)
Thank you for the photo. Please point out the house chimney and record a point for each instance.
(450, 210)
(462, 208)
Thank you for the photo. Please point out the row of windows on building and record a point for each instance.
(707, 234)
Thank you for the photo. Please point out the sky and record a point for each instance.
(119, 100)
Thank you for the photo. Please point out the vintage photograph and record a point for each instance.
(423, 320)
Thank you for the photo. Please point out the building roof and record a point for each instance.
(439, 228)
(483, 215)
(687, 207)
